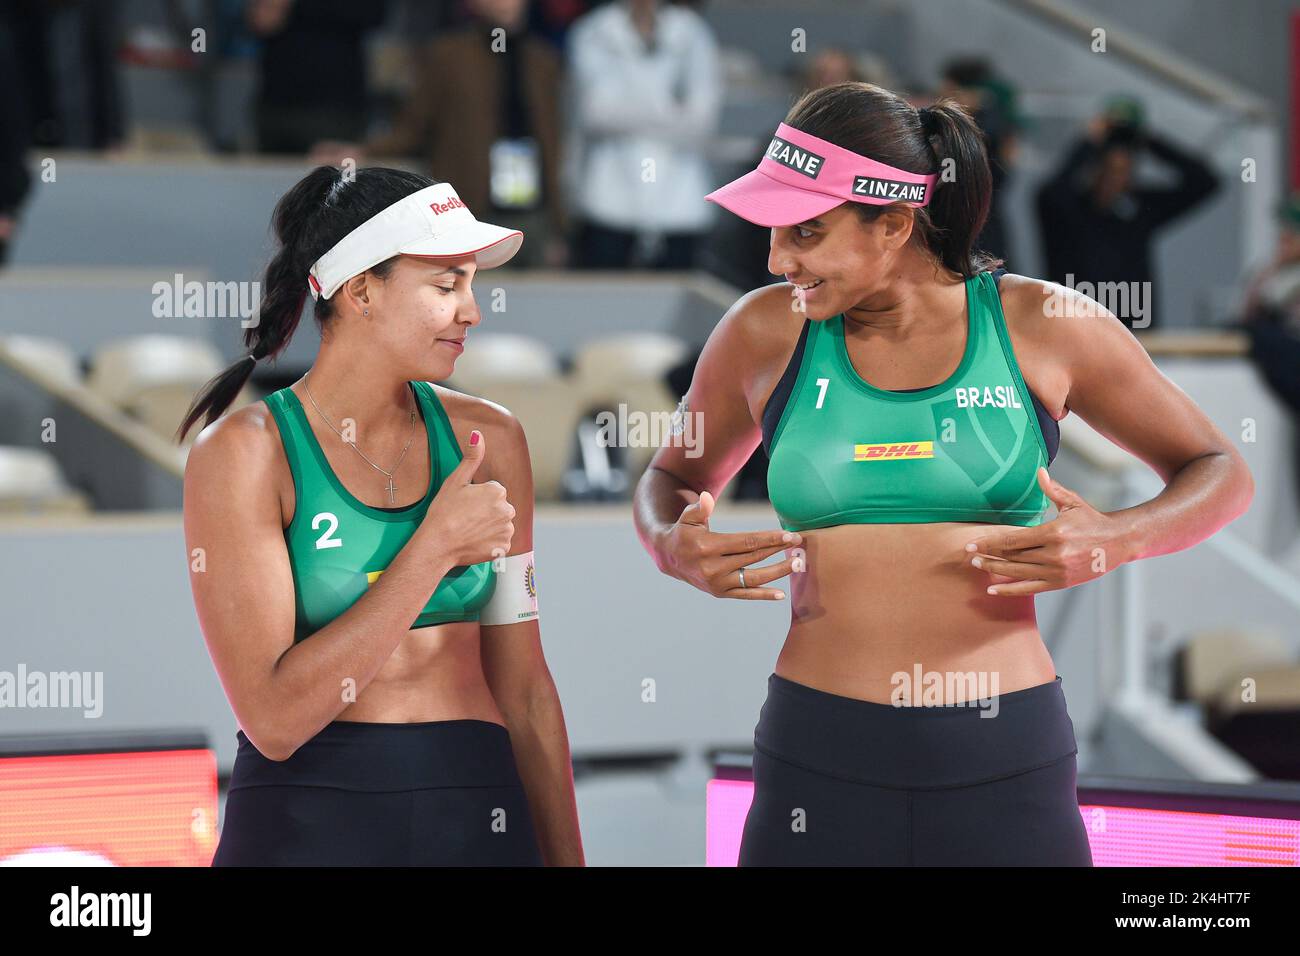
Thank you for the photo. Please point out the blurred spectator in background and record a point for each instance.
(66, 52)
(552, 18)
(485, 112)
(1096, 225)
(991, 101)
(647, 92)
(1273, 294)
(312, 78)
(422, 19)
(1271, 313)
(15, 180)
(829, 66)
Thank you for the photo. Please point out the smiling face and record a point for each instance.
(419, 314)
(841, 259)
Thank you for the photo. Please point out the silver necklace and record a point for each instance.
(392, 488)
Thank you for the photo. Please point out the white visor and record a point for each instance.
(432, 222)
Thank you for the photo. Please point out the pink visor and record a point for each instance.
(802, 176)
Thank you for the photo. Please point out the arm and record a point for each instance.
(521, 683)
(284, 693)
(1207, 482)
(675, 496)
(1196, 182)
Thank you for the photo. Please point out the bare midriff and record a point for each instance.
(882, 600)
(436, 673)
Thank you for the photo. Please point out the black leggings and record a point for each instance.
(846, 782)
(438, 793)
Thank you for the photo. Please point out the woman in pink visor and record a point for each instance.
(362, 556)
(907, 392)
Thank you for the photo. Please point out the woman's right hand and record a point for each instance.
(471, 522)
(712, 560)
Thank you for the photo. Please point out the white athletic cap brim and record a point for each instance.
(432, 222)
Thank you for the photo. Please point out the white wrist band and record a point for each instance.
(514, 598)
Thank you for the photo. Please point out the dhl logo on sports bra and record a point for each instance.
(893, 451)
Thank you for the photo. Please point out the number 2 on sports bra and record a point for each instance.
(325, 541)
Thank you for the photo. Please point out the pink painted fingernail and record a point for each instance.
(473, 437)
(993, 591)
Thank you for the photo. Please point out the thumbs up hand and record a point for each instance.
(475, 522)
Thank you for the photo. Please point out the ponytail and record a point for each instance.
(959, 206)
(876, 122)
(318, 211)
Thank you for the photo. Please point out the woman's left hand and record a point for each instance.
(1080, 544)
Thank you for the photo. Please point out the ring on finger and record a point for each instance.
(742, 577)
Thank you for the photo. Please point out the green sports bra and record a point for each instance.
(338, 546)
(968, 449)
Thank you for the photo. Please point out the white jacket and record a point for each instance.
(642, 119)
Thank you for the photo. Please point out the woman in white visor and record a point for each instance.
(366, 588)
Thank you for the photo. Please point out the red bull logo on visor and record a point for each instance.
(440, 207)
(893, 450)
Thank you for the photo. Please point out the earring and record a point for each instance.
(365, 311)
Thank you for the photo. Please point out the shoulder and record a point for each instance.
(1023, 299)
(239, 459)
(752, 345)
(761, 321)
(238, 443)
(1064, 333)
(1040, 310)
(499, 426)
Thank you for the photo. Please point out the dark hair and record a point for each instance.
(318, 211)
(877, 123)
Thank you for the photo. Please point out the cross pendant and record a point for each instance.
(392, 491)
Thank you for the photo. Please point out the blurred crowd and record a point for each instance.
(542, 112)
(547, 115)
